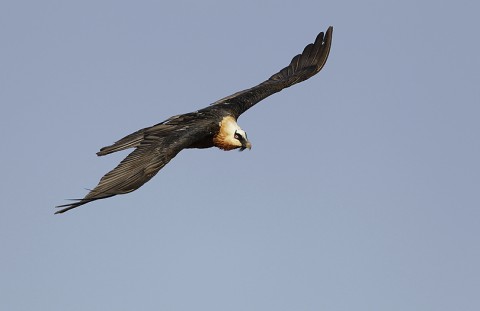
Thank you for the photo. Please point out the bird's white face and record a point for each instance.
(241, 136)
(231, 136)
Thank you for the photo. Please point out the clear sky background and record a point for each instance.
(361, 191)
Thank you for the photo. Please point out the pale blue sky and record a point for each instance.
(361, 191)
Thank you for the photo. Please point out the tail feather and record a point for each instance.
(80, 202)
(67, 207)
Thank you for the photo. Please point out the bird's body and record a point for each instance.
(213, 126)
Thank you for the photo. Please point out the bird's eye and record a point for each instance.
(237, 136)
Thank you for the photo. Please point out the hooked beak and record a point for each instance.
(246, 144)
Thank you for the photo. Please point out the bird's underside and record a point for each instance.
(211, 126)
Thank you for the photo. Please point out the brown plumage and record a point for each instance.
(212, 126)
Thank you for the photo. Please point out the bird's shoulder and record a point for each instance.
(190, 125)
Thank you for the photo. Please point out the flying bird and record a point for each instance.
(213, 126)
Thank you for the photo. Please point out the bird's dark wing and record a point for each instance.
(302, 67)
(163, 129)
(153, 153)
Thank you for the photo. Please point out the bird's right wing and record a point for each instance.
(153, 153)
(302, 67)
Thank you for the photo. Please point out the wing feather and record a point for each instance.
(153, 153)
(302, 67)
(164, 128)
(129, 141)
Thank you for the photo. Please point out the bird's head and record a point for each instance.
(231, 136)
(241, 136)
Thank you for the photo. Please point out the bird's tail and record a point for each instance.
(67, 207)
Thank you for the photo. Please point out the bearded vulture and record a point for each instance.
(213, 126)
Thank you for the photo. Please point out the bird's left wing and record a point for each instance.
(138, 167)
(302, 67)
